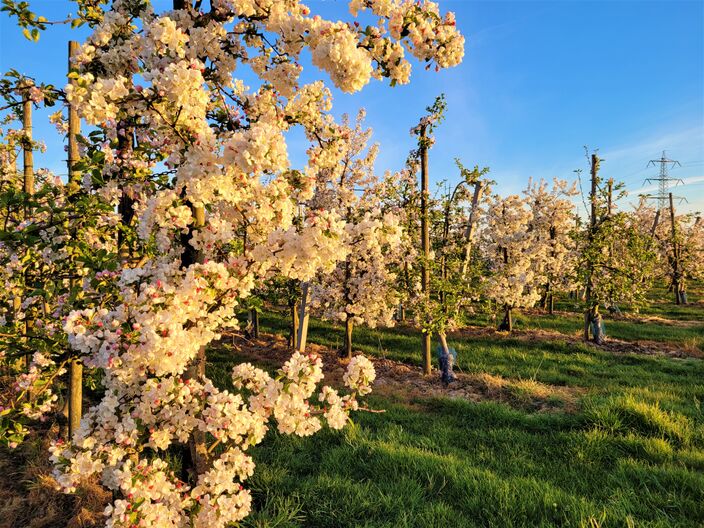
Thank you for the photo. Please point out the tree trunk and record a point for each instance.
(348, 337)
(551, 304)
(303, 316)
(598, 327)
(442, 336)
(293, 335)
(507, 322)
(547, 298)
(593, 325)
(255, 324)
(446, 360)
(125, 207)
(592, 230)
(676, 278)
(469, 233)
(587, 322)
(200, 458)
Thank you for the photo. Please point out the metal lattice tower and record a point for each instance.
(663, 180)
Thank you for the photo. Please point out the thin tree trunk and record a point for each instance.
(349, 325)
(469, 233)
(196, 370)
(676, 279)
(255, 324)
(594, 324)
(303, 316)
(442, 337)
(587, 322)
(446, 360)
(655, 223)
(293, 335)
(507, 322)
(347, 350)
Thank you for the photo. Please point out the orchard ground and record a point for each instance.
(547, 431)
(540, 429)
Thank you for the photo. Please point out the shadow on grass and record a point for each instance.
(632, 456)
(461, 464)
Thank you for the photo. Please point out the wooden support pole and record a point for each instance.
(75, 377)
(349, 326)
(425, 243)
(656, 220)
(27, 148)
(28, 189)
(590, 309)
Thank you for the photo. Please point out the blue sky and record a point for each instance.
(540, 80)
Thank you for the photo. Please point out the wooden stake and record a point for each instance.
(591, 310)
(27, 150)
(655, 223)
(28, 188)
(75, 377)
(425, 243)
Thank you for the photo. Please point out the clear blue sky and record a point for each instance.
(539, 81)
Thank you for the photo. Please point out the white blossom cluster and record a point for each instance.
(552, 227)
(361, 287)
(182, 139)
(516, 259)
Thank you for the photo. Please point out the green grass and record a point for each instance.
(552, 361)
(462, 464)
(660, 302)
(631, 455)
(688, 333)
(628, 330)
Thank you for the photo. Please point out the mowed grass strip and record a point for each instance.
(461, 464)
(631, 455)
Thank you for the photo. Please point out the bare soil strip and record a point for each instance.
(616, 346)
(406, 383)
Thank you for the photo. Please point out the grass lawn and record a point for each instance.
(631, 455)
(691, 335)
